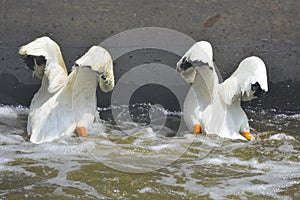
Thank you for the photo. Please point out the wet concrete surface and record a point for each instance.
(236, 29)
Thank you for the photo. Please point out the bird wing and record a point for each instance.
(56, 76)
(208, 80)
(250, 71)
(99, 59)
(197, 67)
(55, 68)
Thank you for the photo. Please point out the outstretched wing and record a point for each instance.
(196, 66)
(249, 77)
(99, 60)
(44, 57)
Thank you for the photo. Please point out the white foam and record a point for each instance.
(286, 148)
(286, 116)
(12, 112)
(273, 176)
(70, 154)
(146, 189)
(281, 136)
(160, 147)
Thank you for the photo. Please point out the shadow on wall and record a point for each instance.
(281, 96)
(15, 93)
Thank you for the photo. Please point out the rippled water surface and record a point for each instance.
(143, 164)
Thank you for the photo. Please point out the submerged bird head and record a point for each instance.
(36, 64)
(252, 75)
(257, 90)
(100, 61)
(37, 53)
(199, 54)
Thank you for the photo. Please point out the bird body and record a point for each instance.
(216, 107)
(57, 115)
(58, 111)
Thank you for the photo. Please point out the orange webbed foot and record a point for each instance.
(247, 135)
(197, 129)
(81, 131)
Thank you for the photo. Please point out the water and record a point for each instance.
(140, 164)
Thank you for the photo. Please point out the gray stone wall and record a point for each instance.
(237, 29)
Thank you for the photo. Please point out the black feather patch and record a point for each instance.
(29, 61)
(258, 92)
(185, 64)
(40, 60)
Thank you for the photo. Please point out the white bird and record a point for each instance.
(64, 104)
(213, 107)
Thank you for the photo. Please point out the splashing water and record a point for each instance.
(93, 167)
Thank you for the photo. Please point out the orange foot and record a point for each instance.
(81, 130)
(197, 129)
(247, 135)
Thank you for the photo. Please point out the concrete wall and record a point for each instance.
(237, 29)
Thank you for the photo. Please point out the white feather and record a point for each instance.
(53, 115)
(55, 68)
(216, 107)
(200, 55)
(250, 71)
(99, 60)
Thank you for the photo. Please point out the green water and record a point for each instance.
(267, 168)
